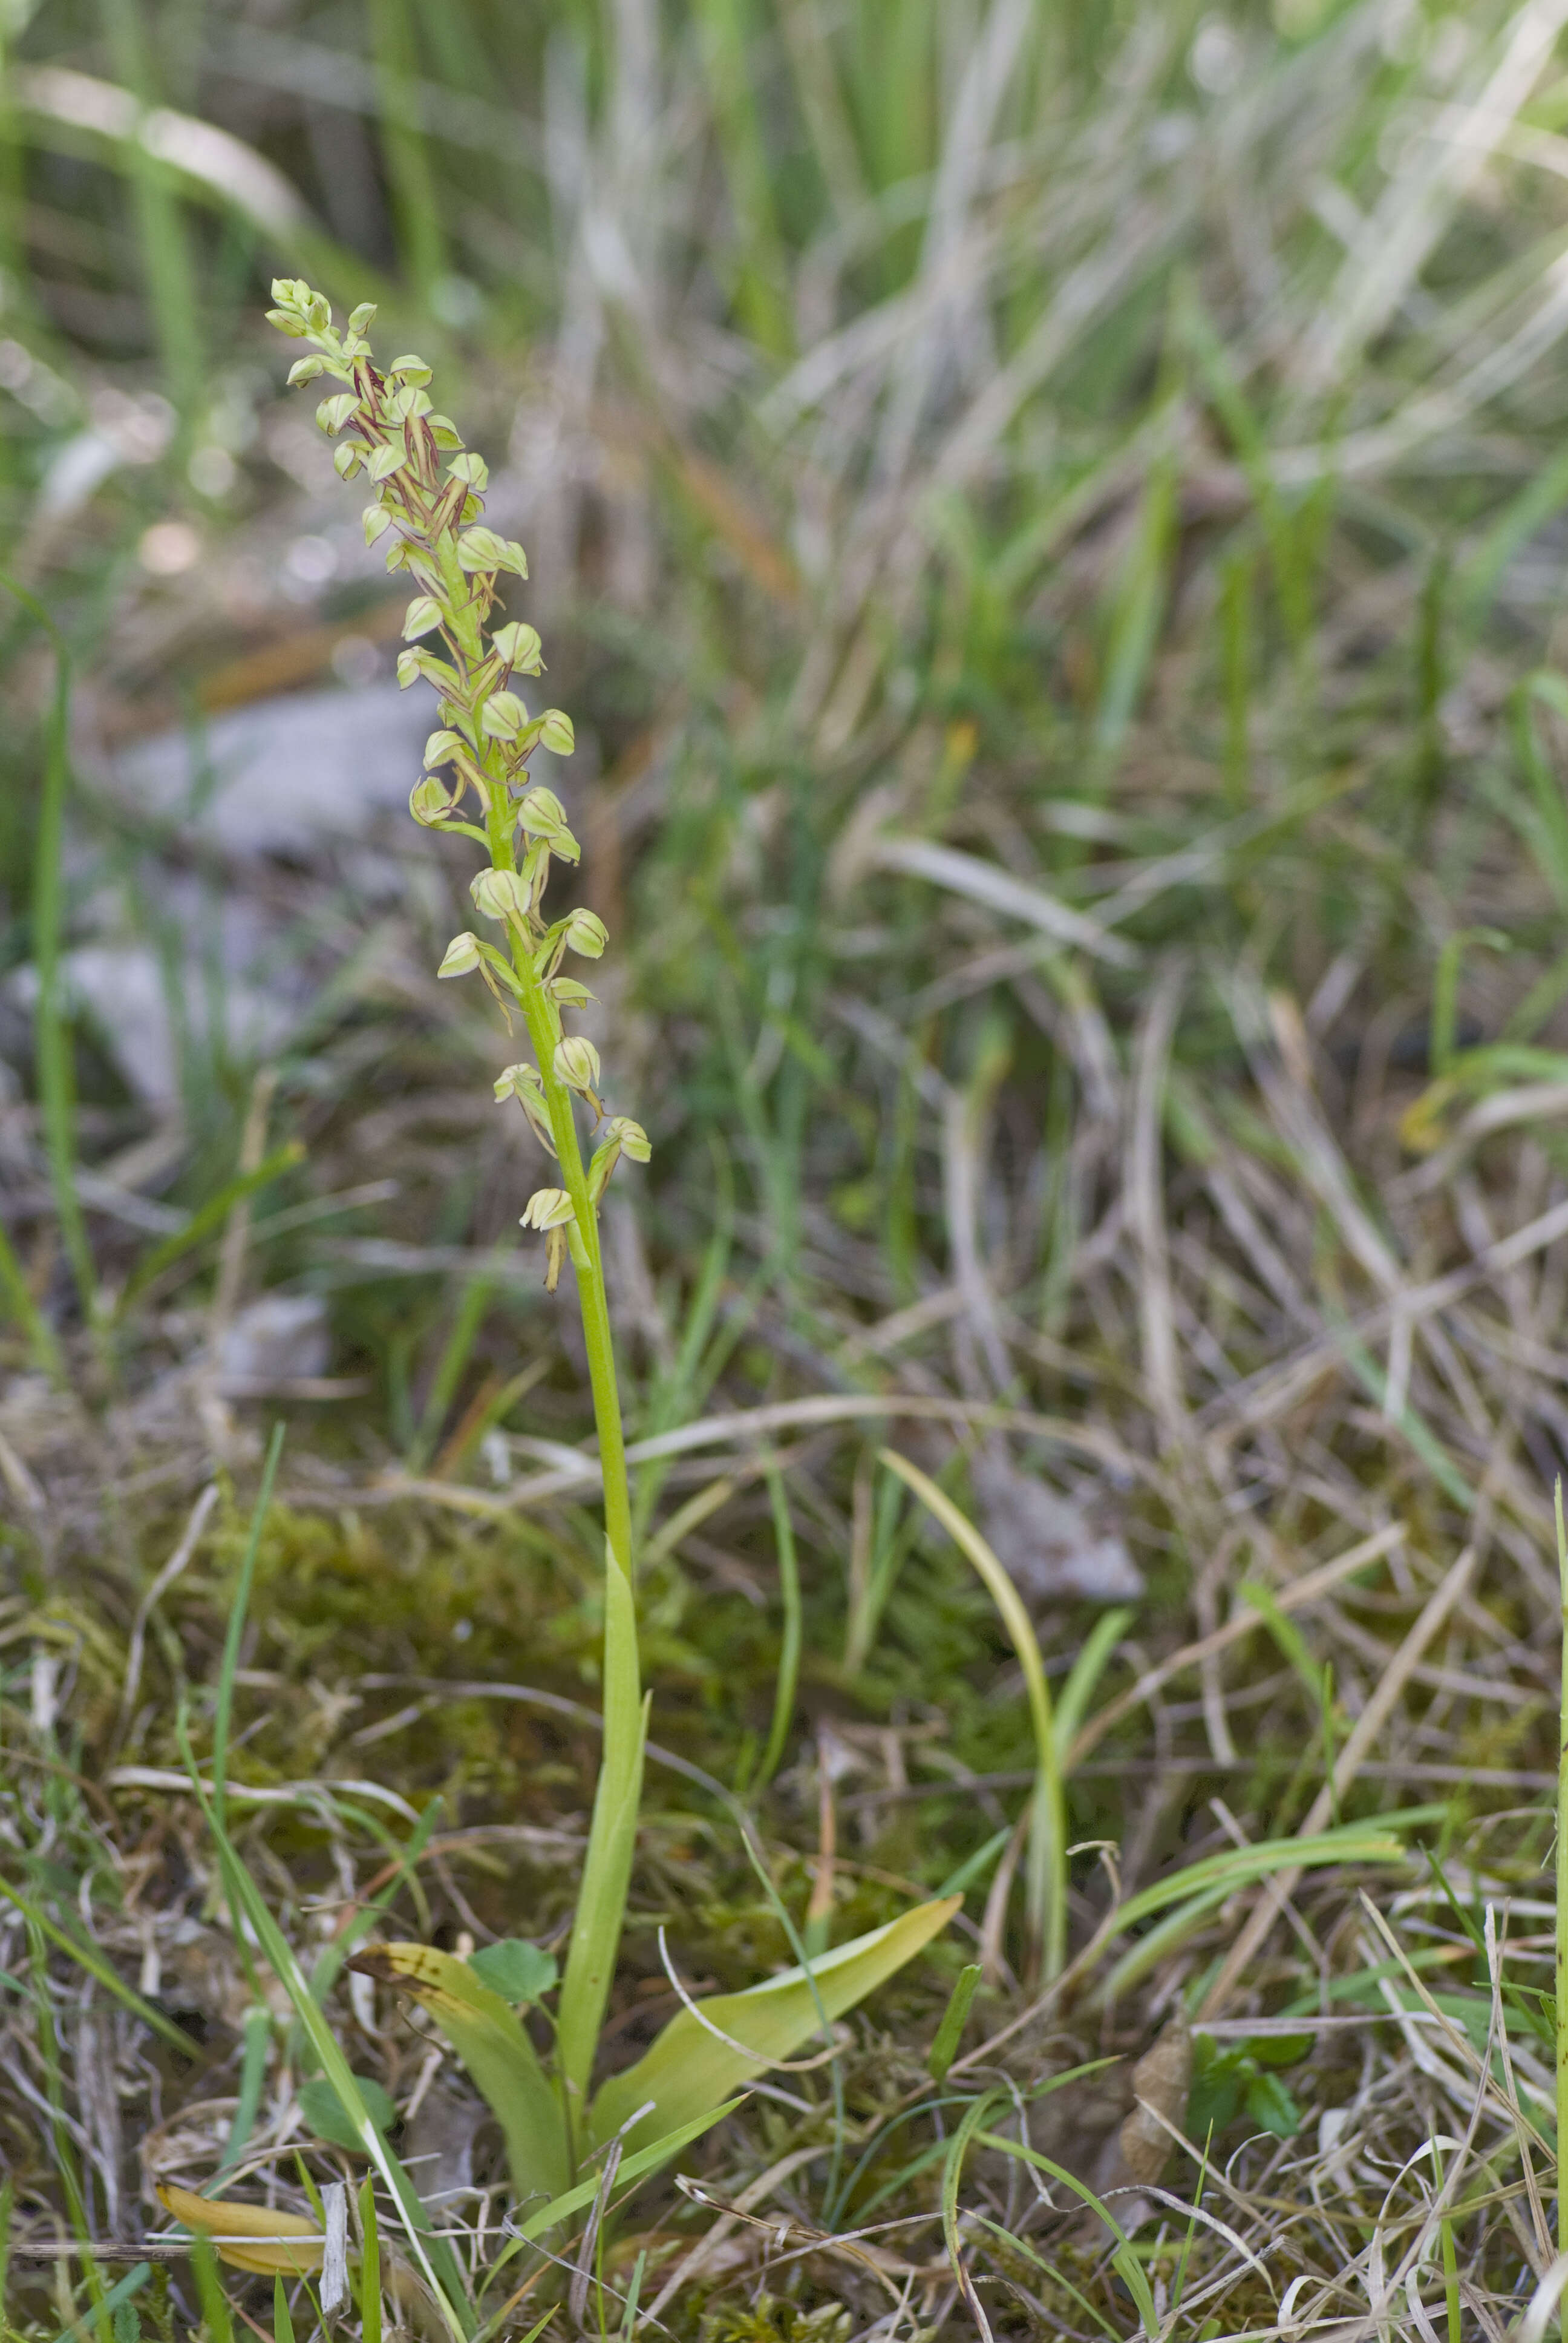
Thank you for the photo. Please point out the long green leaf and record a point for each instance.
(630, 2168)
(690, 2068)
(612, 1841)
(492, 2043)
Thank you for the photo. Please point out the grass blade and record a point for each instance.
(125, 2289)
(369, 2265)
(790, 1649)
(89, 1957)
(944, 2050)
(430, 2252)
(238, 1605)
(57, 1082)
(1561, 1926)
(206, 1221)
(952, 2174)
(1126, 2262)
(1046, 1872)
(17, 1296)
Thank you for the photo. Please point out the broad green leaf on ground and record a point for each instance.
(489, 2038)
(515, 1969)
(329, 2119)
(690, 2068)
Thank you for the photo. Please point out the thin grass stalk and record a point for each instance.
(161, 231)
(1045, 1867)
(790, 1649)
(369, 2264)
(17, 1296)
(223, 1708)
(415, 204)
(438, 2265)
(65, 2154)
(1561, 1926)
(56, 1085)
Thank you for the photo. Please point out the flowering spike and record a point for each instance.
(432, 517)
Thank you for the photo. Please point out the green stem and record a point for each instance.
(588, 1261)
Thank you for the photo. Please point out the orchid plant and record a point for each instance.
(427, 493)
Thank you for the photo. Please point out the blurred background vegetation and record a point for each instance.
(1049, 520)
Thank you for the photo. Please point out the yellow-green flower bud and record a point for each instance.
(546, 1208)
(500, 895)
(362, 318)
(423, 613)
(305, 370)
(410, 369)
(334, 412)
(441, 746)
(621, 1135)
(461, 956)
(518, 647)
(630, 1137)
(585, 934)
(385, 461)
(577, 1064)
(377, 520)
(542, 815)
(524, 1085)
(481, 549)
(347, 460)
(413, 664)
(503, 716)
(472, 468)
(557, 732)
(428, 799)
